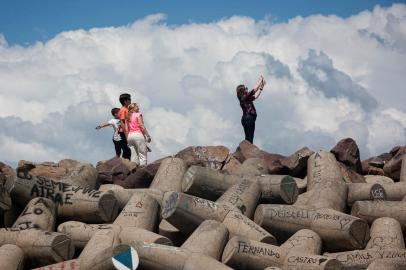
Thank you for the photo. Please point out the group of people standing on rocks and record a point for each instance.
(130, 135)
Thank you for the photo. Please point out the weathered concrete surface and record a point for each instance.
(209, 239)
(73, 202)
(210, 184)
(11, 257)
(339, 231)
(186, 212)
(372, 192)
(81, 233)
(386, 244)
(301, 252)
(40, 247)
(170, 174)
(39, 213)
(67, 171)
(157, 257)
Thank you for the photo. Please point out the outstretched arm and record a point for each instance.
(103, 125)
(259, 87)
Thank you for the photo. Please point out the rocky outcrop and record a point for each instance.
(346, 151)
(112, 171)
(374, 165)
(294, 165)
(393, 166)
(205, 156)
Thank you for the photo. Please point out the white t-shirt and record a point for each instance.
(116, 124)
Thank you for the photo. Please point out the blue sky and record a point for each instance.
(24, 22)
(329, 77)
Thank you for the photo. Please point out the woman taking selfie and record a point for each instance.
(137, 135)
(249, 114)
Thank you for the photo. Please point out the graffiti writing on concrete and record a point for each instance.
(60, 193)
(244, 247)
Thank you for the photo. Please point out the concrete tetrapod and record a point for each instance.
(66, 171)
(371, 210)
(378, 179)
(209, 239)
(73, 202)
(325, 180)
(171, 232)
(165, 228)
(244, 196)
(141, 211)
(210, 184)
(386, 244)
(186, 212)
(39, 213)
(339, 231)
(301, 251)
(123, 195)
(136, 221)
(320, 209)
(11, 257)
(252, 167)
(98, 252)
(372, 192)
(40, 247)
(157, 257)
(169, 175)
(384, 264)
(81, 233)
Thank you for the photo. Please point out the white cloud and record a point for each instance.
(328, 78)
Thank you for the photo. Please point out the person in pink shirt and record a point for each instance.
(137, 135)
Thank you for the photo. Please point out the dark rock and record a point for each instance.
(349, 175)
(347, 152)
(294, 165)
(392, 167)
(142, 177)
(205, 156)
(112, 171)
(374, 165)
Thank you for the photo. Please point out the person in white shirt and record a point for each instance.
(119, 143)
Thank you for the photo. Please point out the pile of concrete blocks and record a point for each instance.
(207, 208)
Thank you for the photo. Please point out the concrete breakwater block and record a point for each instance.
(191, 215)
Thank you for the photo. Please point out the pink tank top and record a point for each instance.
(134, 124)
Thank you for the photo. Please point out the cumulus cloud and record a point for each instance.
(328, 78)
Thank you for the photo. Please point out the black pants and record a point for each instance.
(248, 123)
(122, 146)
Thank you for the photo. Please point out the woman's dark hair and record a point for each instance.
(240, 91)
(114, 111)
(124, 97)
